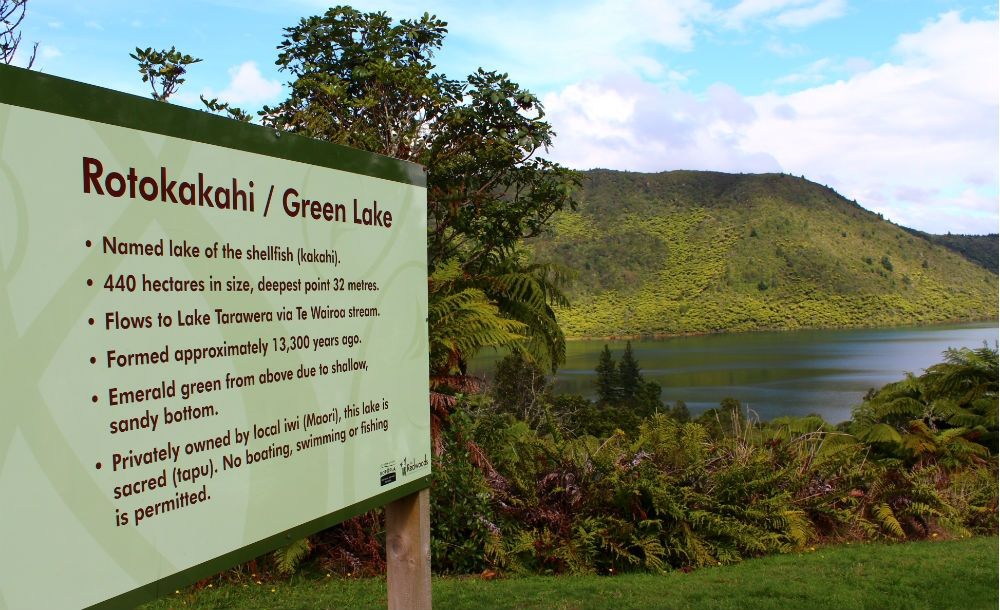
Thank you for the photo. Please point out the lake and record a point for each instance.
(774, 373)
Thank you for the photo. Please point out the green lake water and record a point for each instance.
(773, 373)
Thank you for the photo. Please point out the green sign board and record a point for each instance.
(213, 341)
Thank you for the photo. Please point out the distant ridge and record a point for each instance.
(983, 250)
(693, 252)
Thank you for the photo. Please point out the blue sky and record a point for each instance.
(894, 103)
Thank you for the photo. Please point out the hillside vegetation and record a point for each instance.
(983, 250)
(695, 252)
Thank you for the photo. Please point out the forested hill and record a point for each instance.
(980, 249)
(694, 252)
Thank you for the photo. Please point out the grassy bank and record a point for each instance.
(952, 574)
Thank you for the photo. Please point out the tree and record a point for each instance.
(521, 388)
(629, 376)
(164, 70)
(648, 399)
(680, 412)
(608, 388)
(362, 80)
(726, 420)
(11, 15)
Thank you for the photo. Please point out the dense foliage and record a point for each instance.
(555, 494)
(670, 494)
(983, 250)
(949, 413)
(363, 80)
(695, 252)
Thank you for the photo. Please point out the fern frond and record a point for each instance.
(798, 529)
(966, 418)
(886, 519)
(652, 552)
(288, 558)
(880, 433)
(903, 406)
(464, 322)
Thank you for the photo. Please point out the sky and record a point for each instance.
(893, 103)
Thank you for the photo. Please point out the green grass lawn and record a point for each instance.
(960, 574)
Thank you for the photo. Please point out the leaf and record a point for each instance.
(287, 558)
(880, 433)
(887, 520)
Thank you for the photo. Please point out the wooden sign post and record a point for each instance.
(408, 552)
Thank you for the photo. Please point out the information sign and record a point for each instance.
(213, 341)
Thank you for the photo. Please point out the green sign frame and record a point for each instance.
(39, 97)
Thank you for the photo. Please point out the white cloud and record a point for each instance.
(824, 70)
(928, 121)
(815, 72)
(573, 41)
(785, 50)
(783, 13)
(569, 41)
(748, 10)
(915, 139)
(961, 210)
(853, 65)
(49, 52)
(247, 86)
(630, 124)
(810, 15)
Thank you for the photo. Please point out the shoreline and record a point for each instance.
(658, 336)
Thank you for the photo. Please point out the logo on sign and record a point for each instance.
(408, 465)
(387, 473)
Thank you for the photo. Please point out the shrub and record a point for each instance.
(462, 527)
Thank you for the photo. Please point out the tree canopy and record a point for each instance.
(361, 80)
(629, 374)
(366, 81)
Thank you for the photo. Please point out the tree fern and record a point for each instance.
(528, 293)
(969, 373)
(288, 558)
(834, 443)
(960, 392)
(464, 322)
